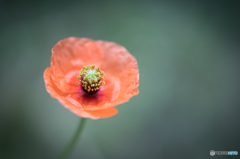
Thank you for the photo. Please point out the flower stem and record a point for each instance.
(67, 150)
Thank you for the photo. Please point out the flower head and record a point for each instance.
(91, 77)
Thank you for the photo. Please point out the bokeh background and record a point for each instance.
(188, 57)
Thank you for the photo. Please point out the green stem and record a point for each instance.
(67, 150)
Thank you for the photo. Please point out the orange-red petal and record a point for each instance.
(72, 54)
(96, 114)
(120, 63)
(62, 97)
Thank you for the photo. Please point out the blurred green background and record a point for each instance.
(188, 57)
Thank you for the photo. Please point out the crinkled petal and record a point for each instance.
(103, 98)
(120, 63)
(96, 114)
(72, 54)
(51, 88)
(63, 99)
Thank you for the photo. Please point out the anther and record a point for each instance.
(90, 79)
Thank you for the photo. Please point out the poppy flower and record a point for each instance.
(91, 77)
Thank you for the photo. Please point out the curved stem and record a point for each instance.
(67, 150)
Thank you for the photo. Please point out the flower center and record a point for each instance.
(91, 80)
